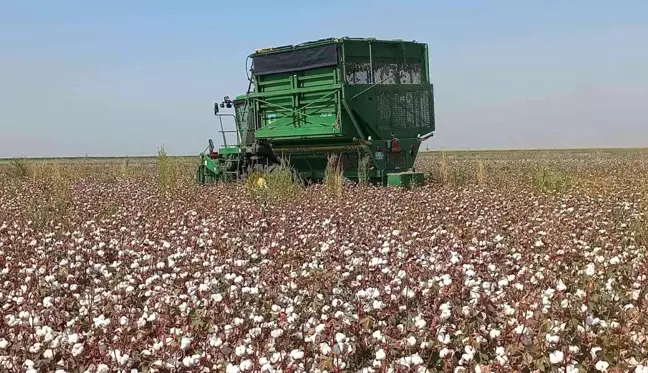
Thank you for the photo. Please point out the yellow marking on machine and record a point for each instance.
(261, 183)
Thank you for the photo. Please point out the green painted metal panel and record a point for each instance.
(405, 179)
(388, 87)
(300, 104)
(385, 84)
(229, 150)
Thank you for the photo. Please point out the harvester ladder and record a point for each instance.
(223, 132)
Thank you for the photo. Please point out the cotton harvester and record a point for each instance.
(361, 99)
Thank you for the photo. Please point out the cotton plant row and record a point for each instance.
(381, 281)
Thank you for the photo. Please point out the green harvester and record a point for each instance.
(362, 103)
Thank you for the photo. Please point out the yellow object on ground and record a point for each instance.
(261, 182)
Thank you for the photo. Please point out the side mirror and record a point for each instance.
(215, 108)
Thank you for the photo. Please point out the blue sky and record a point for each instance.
(122, 77)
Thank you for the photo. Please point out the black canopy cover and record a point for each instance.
(296, 60)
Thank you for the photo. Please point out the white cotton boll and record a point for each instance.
(215, 341)
(445, 352)
(103, 368)
(572, 369)
(602, 365)
(411, 341)
(520, 329)
(591, 321)
(324, 348)
(231, 368)
(641, 369)
(185, 342)
(408, 292)
(246, 365)
(123, 359)
(101, 321)
(469, 354)
(47, 302)
(35, 348)
(188, 361)
(416, 359)
(494, 333)
(297, 354)
(77, 349)
(556, 357)
(444, 338)
(552, 338)
(240, 351)
(340, 338)
(73, 338)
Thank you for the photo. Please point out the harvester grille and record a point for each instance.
(405, 109)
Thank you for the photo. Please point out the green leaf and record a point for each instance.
(546, 325)
(367, 322)
(573, 323)
(196, 321)
(512, 350)
(527, 358)
(326, 363)
(541, 364)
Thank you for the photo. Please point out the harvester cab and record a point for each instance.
(366, 101)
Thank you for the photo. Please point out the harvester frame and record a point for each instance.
(369, 101)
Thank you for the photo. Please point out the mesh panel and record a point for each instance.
(399, 109)
(384, 73)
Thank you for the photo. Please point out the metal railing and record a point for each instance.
(223, 132)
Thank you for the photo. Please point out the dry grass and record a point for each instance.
(506, 261)
(333, 177)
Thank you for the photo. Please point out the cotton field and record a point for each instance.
(504, 262)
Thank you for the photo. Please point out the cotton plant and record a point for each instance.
(418, 280)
